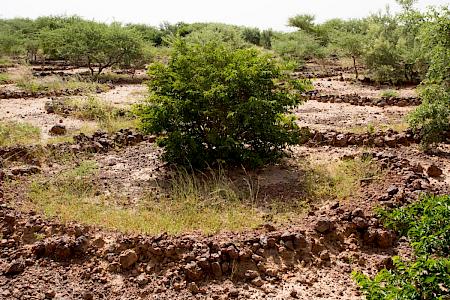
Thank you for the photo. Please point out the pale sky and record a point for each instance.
(255, 13)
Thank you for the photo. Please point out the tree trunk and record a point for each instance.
(354, 66)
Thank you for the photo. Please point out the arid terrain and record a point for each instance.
(88, 210)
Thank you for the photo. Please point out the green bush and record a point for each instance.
(212, 103)
(427, 276)
(432, 117)
(297, 46)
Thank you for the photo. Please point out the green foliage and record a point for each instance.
(389, 94)
(252, 36)
(425, 223)
(91, 44)
(351, 45)
(432, 117)
(297, 46)
(212, 103)
(303, 22)
(4, 78)
(219, 33)
(427, 276)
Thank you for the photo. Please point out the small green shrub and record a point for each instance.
(389, 94)
(427, 276)
(213, 103)
(432, 117)
(425, 223)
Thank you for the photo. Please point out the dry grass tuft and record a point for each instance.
(194, 204)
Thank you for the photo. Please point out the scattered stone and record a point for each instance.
(142, 280)
(258, 282)
(434, 171)
(128, 258)
(323, 225)
(58, 130)
(25, 170)
(392, 190)
(15, 268)
(193, 288)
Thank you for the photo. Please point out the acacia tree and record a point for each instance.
(352, 45)
(94, 45)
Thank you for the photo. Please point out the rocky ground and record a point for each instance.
(310, 257)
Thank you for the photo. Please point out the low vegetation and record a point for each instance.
(340, 179)
(208, 202)
(427, 274)
(389, 94)
(18, 133)
(58, 84)
(4, 78)
(107, 116)
(194, 203)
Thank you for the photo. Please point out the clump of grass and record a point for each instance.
(341, 179)
(192, 203)
(18, 133)
(56, 84)
(5, 61)
(4, 78)
(109, 118)
(371, 128)
(389, 94)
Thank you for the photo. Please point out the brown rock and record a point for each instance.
(58, 130)
(16, 267)
(323, 225)
(128, 258)
(434, 171)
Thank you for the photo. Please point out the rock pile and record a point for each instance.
(8, 94)
(355, 99)
(390, 138)
(99, 142)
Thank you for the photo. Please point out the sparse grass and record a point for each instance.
(341, 179)
(109, 118)
(56, 84)
(389, 94)
(5, 61)
(371, 128)
(208, 203)
(194, 203)
(85, 129)
(4, 78)
(18, 133)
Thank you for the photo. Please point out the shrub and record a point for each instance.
(432, 117)
(215, 104)
(389, 94)
(297, 46)
(427, 276)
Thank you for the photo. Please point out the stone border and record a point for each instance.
(355, 99)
